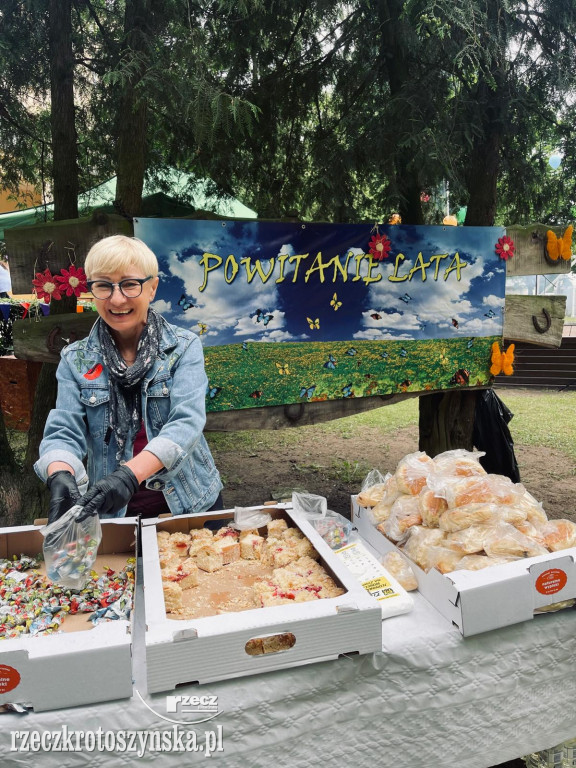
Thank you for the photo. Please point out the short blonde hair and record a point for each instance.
(117, 254)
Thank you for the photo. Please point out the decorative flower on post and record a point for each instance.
(379, 247)
(505, 247)
(45, 286)
(72, 281)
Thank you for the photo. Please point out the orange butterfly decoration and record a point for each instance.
(559, 247)
(502, 361)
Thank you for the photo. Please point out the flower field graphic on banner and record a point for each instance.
(304, 312)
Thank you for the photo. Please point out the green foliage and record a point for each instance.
(270, 373)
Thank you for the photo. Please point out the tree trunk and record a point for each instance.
(132, 122)
(62, 123)
(482, 174)
(446, 421)
(394, 54)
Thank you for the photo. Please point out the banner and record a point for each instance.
(295, 312)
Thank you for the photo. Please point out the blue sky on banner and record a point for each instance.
(226, 299)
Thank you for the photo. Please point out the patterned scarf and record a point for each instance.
(125, 415)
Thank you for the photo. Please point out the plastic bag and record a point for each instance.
(492, 435)
(246, 518)
(420, 544)
(460, 463)
(310, 506)
(405, 513)
(336, 530)
(413, 471)
(507, 541)
(70, 547)
(559, 534)
(399, 566)
(486, 489)
(374, 488)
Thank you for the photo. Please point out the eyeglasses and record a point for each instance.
(131, 287)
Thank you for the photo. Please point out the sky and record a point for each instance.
(225, 299)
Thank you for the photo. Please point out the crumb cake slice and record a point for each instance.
(209, 558)
(251, 546)
(184, 573)
(179, 543)
(230, 549)
(172, 597)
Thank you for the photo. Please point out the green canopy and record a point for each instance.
(154, 203)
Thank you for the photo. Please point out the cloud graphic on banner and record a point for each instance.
(430, 306)
(211, 305)
(161, 306)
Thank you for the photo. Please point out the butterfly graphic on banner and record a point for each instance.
(335, 303)
(282, 369)
(203, 328)
(314, 324)
(212, 391)
(376, 316)
(307, 392)
(559, 247)
(331, 362)
(185, 302)
(502, 361)
(490, 314)
(351, 352)
(263, 317)
(347, 391)
(406, 298)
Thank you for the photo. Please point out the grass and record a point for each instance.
(541, 418)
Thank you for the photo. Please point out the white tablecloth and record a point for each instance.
(430, 699)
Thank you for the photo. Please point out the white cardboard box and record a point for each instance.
(477, 601)
(213, 648)
(69, 668)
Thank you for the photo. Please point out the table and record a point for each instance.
(429, 699)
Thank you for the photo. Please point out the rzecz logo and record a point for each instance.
(185, 709)
(192, 705)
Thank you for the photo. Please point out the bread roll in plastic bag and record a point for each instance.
(399, 566)
(530, 530)
(479, 514)
(469, 540)
(379, 513)
(507, 541)
(431, 507)
(559, 534)
(404, 514)
(412, 472)
(373, 488)
(460, 463)
(419, 543)
(444, 559)
(534, 509)
(462, 491)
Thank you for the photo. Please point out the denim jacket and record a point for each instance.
(173, 409)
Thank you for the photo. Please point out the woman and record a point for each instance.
(136, 383)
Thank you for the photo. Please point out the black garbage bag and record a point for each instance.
(491, 434)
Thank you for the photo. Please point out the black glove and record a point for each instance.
(64, 493)
(110, 494)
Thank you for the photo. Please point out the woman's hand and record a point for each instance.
(110, 494)
(64, 493)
